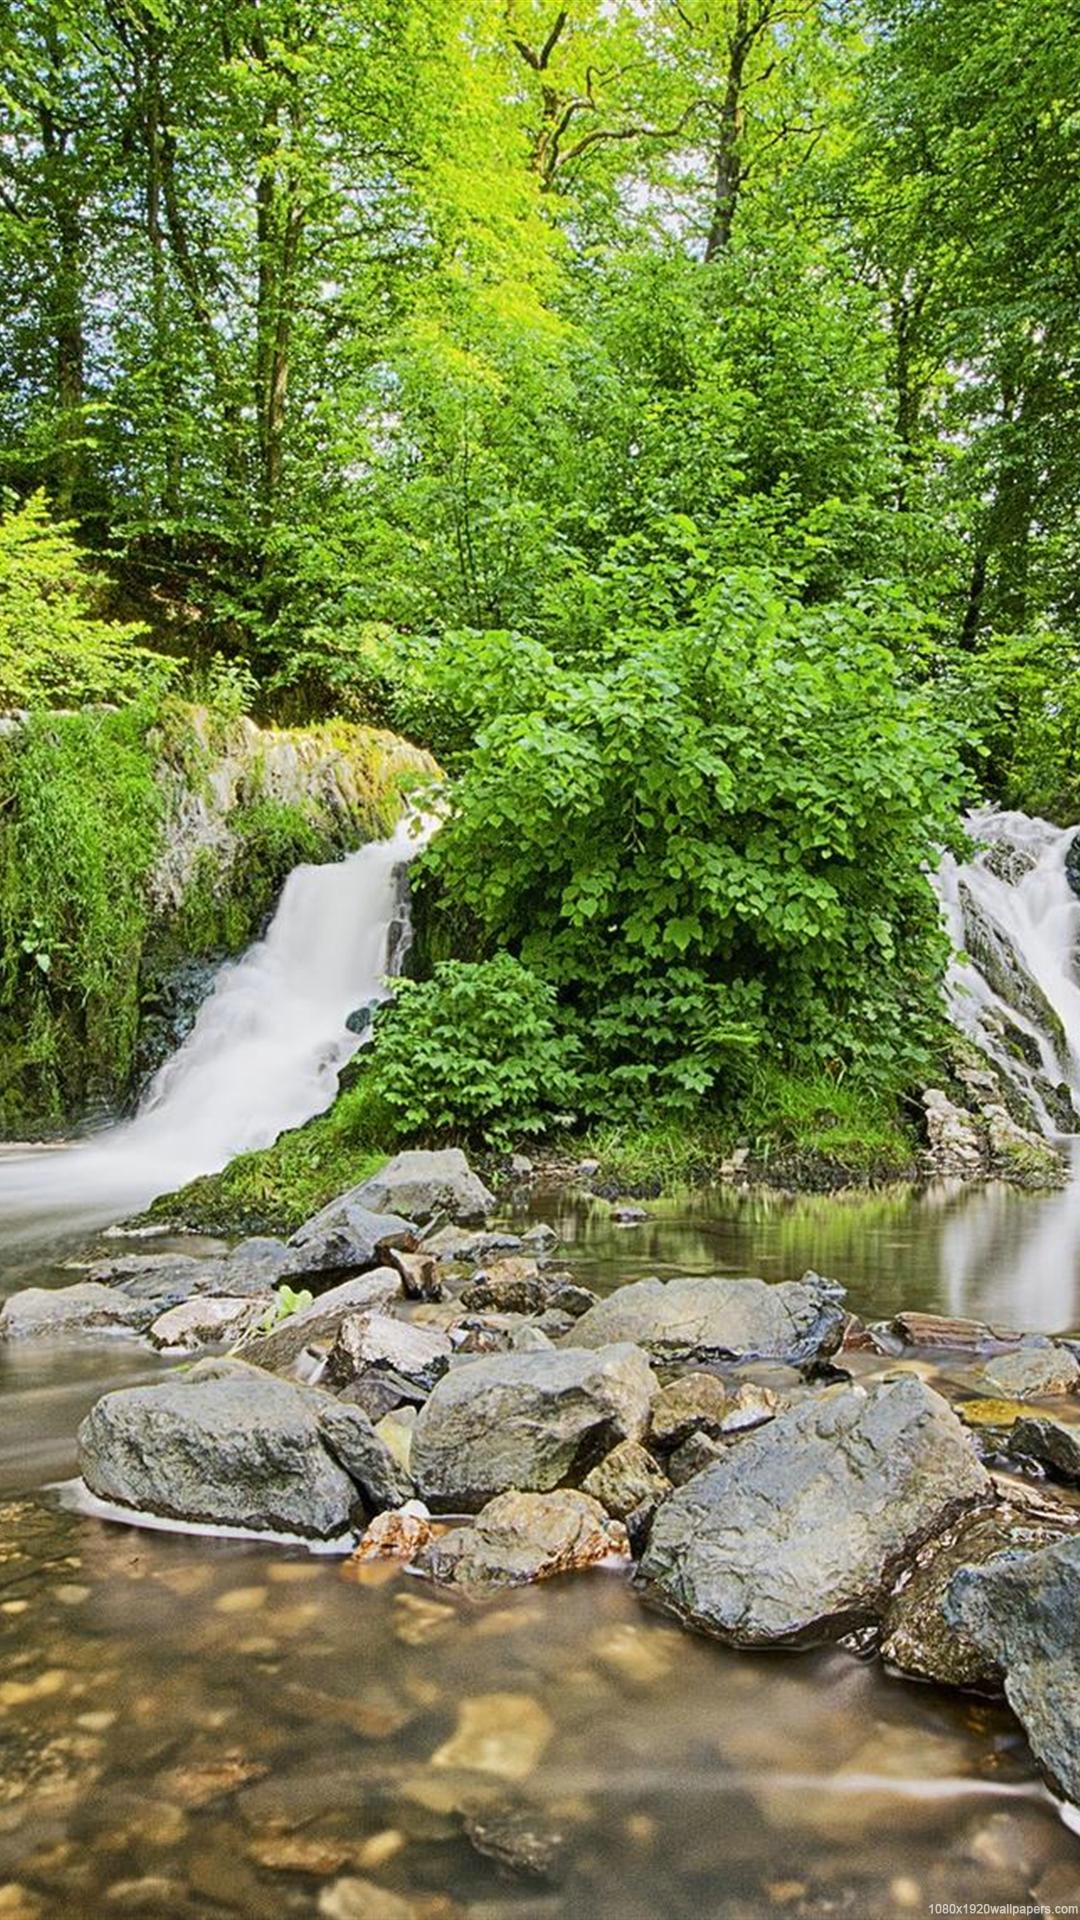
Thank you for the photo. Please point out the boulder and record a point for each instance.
(919, 1638)
(318, 1324)
(366, 1341)
(349, 1436)
(529, 1420)
(799, 1532)
(627, 1480)
(346, 1236)
(224, 1444)
(63, 1311)
(1020, 1610)
(521, 1537)
(201, 1322)
(694, 1403)
(718, 1319)
(1050, 1444)
(420, 1184)
(1037, 1367)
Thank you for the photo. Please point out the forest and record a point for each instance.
(664, 414)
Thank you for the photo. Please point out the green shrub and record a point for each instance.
(477, 1051)
(53, 650)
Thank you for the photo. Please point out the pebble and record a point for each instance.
(20, 1693)
(352, 1899)
(505, 1734)
(241, 1600)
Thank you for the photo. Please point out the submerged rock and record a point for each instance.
(522, 1537)
(707, 1319)
(800, 1530)
(223, 1444)
(419, 1184)
(524, 1840)
(529, 1420)
(1021, 1612)
(920, 1639)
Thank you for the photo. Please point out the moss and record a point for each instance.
(277, 1188)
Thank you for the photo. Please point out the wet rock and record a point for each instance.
(566, 1296)
(420, 1278)
(419, 1355)
(87, 1307)
(693, 1456)
(446, 1242)
(919, 1638)
(317, 1325)
(1021, 1612)
(800, 1530)
(347, 1434)
(504, 1734)
(1048, 1443)
(627, 1480)
(519, 1538)
(397, 1535)
(694, 1403)
(716, 1319)
(522, 1839)
(420, 1184)
(223, 1444)
(377, 1394)
(954, 1140)
(528, 1420)
(347, 1236)
(508, 1286)
(1037, 1367)
(355, 1899)
(201, 1322)
(750, 1406)
(941, 1331)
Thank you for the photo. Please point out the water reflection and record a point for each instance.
(991, 1252)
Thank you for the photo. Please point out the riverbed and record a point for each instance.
(202, 1727)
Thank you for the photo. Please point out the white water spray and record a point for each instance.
(263, 1055)
(1014, 985)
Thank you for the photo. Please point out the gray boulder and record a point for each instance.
(318, 1325)
(717, 1319)
(416, 1354)
(345, 1237)
(423, 1184)
(63, 1311)
(528, 1420)
(202, 1322)
(1051, 1444)
(521, 1537)
(799, 1531)
(1021, 1612)
(348, 1434)
(224, 1444)
(1039, 1366)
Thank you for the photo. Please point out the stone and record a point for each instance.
(800, 1531)
(347, 1236)
(946, 1333)
(513, 1285)
(420, 1278)
(718, 1319)
(347, 1434)
(919, 1638)
(522, 1839)
(750, 1406)
(354, 1899)
(953, 1138)
(419, 1355)
(380, 1393)
(1036, 1367)
(317, 1325)
(59, 1312)
(446, 1242)
(201, 1322)
(1021, 1611)
(503, 1734)
(397, 1535)
(627, 1480)
(694, 1403)
(541, 1237)
(1050, 1443)
(628, 1216)
(519, 1538)
(221, 1444)
(520, 1166)
(695, 1454)
(419, 1184)
(529, 1420)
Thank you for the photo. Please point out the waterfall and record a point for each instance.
(1013, 986)
(263, 1055)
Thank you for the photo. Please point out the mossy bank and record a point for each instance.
(138, 848)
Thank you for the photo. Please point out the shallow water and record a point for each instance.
(210, 1728)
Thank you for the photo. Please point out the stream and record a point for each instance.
(202, 1727)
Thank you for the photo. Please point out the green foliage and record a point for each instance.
(478, 1051)
(1019, 699)
(275, 1189)
(78, 835)
(287, 1301)
(713, 848)
(54, 651)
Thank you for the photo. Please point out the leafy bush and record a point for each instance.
(714, 847)
(477, 1051)
(53, 650)
(1020, 699)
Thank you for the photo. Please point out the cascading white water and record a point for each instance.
(1014, 984)
(263, 1055)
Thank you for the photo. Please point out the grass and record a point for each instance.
(277, 1188)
